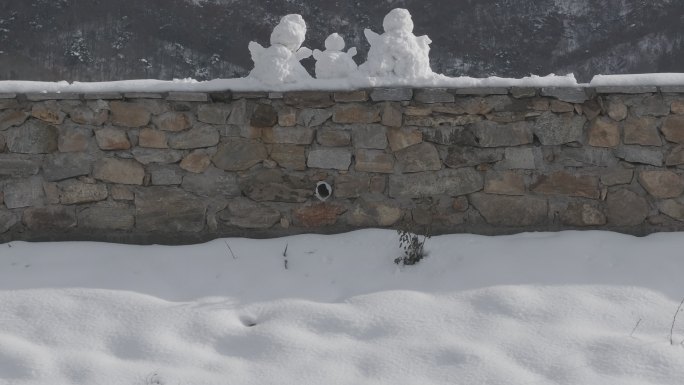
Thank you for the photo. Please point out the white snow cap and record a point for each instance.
(279, 63)
(290, 32)
(334, 42)
(398, 53)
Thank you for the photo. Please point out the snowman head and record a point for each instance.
(290, 32)
(334, 42)
(398, 20)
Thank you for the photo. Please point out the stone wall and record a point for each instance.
(188, 167)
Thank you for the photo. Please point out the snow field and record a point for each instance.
(526, 309)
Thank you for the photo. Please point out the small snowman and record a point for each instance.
(280, 63)
(333, 63)
(397, 52)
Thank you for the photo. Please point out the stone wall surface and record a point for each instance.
(187, 167)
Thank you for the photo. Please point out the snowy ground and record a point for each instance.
(546, 308)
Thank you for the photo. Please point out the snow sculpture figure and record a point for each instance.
(333, 63)
(397, 52)
(279, 63)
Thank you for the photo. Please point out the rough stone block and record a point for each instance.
(53, 218)
(333, 137)
(642, 131)
(673, 128)
(523, 92)
(198, 137)
(73, 191)
(49, 112)
(7, 220)
(351, 96)
(152, 138)
(197, 161)
(154, 155)
(374, 161)
(617, 110)
(187, 96)
(504, 183)
(126, 114)
(275, 186)
(374, 211)
(168, 210)
(604, 132)
(458, 156)
(490, 134)
(165, 175)
(418, 158)
(112, 139)
(673, 208)
(351, 185)
(34, 137)
(121, 171)
(216, 113)
(243, 213)
(287, 116)
(24, 193)
(329, 158)
(369, 136)
(450, 135)
(355, 113)
(552, 129)
(57, 167)
(565, 183)
(311, 117)
(639, 154)
(107, 217)
(237, 154)
(617, 177)
(566, 94)
(317, 215)
(74, 139)
(85, 115)
(391, 94)
(309, 99)
(521, 158)
(19, 165)
(12, 118)
(212, 183)
(445, 182)
(288, 135)
(400, 138)
(626, 208)
(662, 184)
(264, 115)
(433, 95)
(391, 115)
(121, 193)
(511, 211)
(289, 156)
(481, 91)
(652, 105)
(172, 121)
(582, 214)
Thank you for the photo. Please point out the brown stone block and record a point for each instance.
(564, 183)
(317, 214)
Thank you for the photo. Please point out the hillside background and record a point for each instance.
(100, 40)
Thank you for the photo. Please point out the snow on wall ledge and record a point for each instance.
(177, 167)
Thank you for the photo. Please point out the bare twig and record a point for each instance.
(674, 320)
(285, 255)
(635, 328)
(229, 249)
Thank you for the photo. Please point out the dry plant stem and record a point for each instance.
(285, 255)
(231, 250)
(674, 320)
(635, 328)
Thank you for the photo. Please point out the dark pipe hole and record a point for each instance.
(323, 190)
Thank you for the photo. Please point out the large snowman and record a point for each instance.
(280, 63)
(397, 52)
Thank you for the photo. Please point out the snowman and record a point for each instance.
(333, 63)
(280, 63)
(397, 52)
